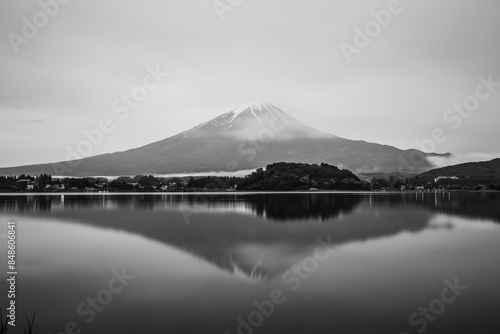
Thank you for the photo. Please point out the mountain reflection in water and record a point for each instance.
(278, 207)
(257, 236)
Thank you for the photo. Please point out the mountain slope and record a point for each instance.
(251, 136)
(488, 169)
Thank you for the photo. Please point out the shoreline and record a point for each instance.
(243, 192)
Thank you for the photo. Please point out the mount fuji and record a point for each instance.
(248, 137)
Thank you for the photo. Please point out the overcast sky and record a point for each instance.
(394, 91)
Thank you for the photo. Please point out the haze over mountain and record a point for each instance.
(248, 137)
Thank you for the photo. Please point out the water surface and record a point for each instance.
(201, 263)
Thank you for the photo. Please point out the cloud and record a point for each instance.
(94, 51)
(34, 120)
(460, 158)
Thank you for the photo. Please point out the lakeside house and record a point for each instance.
(23, 184)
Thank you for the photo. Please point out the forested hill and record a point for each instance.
(484, 169)
(299, 176)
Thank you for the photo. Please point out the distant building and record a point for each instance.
(23, 184)
(55, 187)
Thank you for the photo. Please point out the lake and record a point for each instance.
(256, 262)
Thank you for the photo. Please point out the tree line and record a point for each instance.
(280, 176)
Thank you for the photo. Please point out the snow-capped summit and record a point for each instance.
(252, 116)
(258, 105)
(252, 107)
